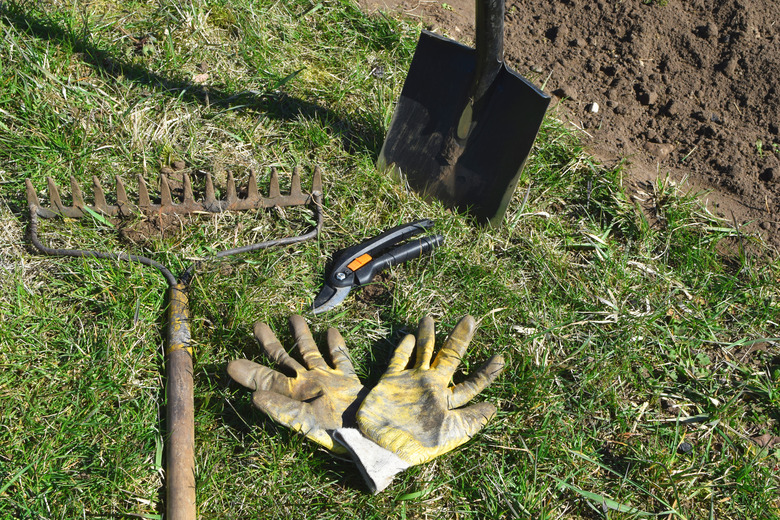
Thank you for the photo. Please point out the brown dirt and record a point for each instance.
(141, 232)
(688, 88)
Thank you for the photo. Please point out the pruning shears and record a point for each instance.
(357, 265)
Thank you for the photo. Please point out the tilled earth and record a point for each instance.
(687, 89)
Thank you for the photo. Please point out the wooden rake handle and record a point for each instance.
(180, 447)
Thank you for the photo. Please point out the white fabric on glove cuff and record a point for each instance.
(377, 465)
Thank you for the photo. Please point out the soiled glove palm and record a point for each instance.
(414, 412)
(318, 399)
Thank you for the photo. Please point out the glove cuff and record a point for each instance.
(377, 465)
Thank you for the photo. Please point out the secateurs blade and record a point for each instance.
(357, 265)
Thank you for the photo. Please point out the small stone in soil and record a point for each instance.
(768, 175)
(648, 98)
(565, 91)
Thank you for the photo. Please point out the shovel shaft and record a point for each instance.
(180, 462)
(489, 24)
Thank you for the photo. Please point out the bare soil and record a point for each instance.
(685, 88)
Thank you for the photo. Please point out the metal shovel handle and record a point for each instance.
(489, 41)
(180, 409)
(489, 24)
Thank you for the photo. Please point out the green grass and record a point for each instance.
(626, 332)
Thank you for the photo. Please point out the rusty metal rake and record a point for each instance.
(180, 418)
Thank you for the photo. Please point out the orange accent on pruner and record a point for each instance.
(359, 262)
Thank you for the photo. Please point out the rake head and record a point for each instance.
(170, 205)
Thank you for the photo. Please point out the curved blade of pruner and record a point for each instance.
(329, 298)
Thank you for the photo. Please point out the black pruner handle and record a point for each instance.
(350, 260)
(398, 255)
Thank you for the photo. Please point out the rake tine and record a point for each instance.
(231, 190)
(166, 201)
(121, 197)
(295, 183)
(189, 199)
(210, 200)
(186, 204)
(273, 189)
(316, 183)
(32, 197)
(143, 194)
(75, 190)
(34, 204)
(100, 196)
(252, 194)
(54, 196)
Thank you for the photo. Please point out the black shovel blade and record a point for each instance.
(418, 145)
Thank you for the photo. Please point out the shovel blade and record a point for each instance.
(418, 146)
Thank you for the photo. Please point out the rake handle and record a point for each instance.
(180, 461)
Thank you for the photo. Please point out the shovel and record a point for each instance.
(465, 122)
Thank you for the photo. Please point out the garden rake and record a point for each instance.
(180, 446)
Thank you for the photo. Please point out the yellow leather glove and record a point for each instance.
(318, 399)
(414, 413)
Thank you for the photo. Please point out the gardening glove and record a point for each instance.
(413, 414)
(318, 398)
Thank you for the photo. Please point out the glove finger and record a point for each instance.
(448, 358)
(466, 391)
(256, 377)
(293, 414)
(306, 345)
(473, 418)
(426, 339)
(338, 352)
(400, 358)
(274, 348)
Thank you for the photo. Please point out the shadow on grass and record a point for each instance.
(356, 133)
